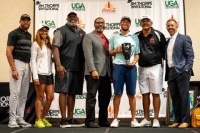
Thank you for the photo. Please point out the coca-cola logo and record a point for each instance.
(108, 8)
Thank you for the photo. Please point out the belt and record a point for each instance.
(172, 68)
(149, 66)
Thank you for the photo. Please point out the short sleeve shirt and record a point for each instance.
(118, 40)
(21, 41)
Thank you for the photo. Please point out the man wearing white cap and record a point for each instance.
(152, 49)
(69, 61)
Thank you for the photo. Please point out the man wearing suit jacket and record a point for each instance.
(97, 74)
(179, 62)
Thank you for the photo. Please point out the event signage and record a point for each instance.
(54, 14)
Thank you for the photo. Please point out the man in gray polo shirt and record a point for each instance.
(69, 60)
(18, 54)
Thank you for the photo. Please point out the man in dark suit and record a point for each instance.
(97, 74)
(179, 62)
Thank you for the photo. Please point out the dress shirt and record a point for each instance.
(170, 50)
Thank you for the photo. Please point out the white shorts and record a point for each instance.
(151, 79)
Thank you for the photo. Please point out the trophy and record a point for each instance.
(126, 49)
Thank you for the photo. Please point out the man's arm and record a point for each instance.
(9, 56)
(89, 58)
(189, 53)
(56, 54)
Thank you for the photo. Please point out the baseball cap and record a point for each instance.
(71, 12)
(146, 17)
(42, 26)
(25, 16)
(126, 17)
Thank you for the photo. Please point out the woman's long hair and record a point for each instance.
(39, 40)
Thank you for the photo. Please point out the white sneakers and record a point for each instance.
(13, 123)
(21, 122)
(134, 123)
(145, 123)
(156, 123)
(115, 123)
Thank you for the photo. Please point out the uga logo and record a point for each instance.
(49, 23)
(78, 6)
(79, 111)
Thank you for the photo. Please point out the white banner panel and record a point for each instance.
(54, 13)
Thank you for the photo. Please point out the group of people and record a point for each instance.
(102, 62)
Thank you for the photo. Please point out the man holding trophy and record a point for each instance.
(124, 46)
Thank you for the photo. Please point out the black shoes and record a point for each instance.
(75, 123)
(64, 123)
(92, 125)
(105, 124)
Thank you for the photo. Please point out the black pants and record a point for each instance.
(179, 91)
(103, 86)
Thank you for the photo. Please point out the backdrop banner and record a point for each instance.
(54, 13)
(29, 113)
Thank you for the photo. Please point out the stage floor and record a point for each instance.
(124, 128)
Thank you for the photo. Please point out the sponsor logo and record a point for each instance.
(145, 4)
(137, 22)
(109, 8)
(81, 24)
(129, 1)
(83, 96)
(79, 111)
(112, 26)
(47, 6)
(169, 4)
(4, 101)
(78, 6)
(49, 23)
(172, 17)
(53, 113)
(164, 92)
(152, 40)
(140, 112)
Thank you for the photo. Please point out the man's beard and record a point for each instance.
(72, 24)
(25, 27)
(125, 29)
(101, 29)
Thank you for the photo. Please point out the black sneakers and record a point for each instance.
(64, 123)
(75, 123)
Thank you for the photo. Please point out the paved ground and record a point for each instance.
(124, 128)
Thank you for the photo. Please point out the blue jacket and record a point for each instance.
(182, 55)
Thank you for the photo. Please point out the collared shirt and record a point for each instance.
(21, 41)
(170, 50)
(118, 40)
(104, 40)
(152, 49)
(69, 42)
